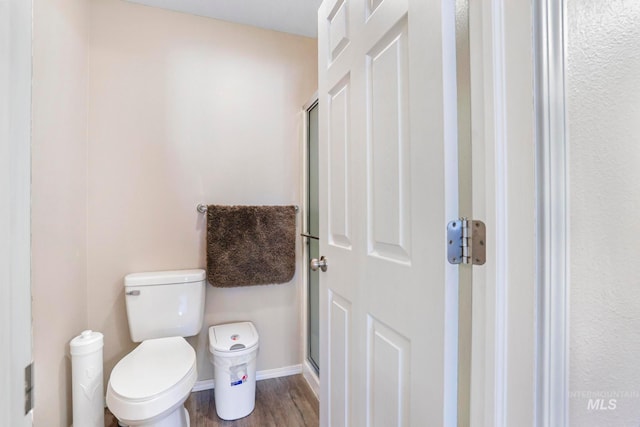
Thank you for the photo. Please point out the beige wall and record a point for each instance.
(59, 263)
(183, 110)
(179, 110)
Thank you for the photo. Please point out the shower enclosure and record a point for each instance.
(311, 237)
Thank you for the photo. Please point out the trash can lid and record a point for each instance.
(232, 337)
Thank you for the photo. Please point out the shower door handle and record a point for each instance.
(321, 264)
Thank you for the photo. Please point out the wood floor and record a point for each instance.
(280, 402)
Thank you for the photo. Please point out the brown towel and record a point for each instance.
(250, 245)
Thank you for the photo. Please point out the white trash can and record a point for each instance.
(233, 349)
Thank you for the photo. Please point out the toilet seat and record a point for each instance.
(154, 378)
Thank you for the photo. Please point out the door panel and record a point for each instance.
(388, 147)
(338, 28)
(388, 381)
(339, 220)
(387, 316)
(339, 326)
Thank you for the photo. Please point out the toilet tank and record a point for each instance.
(164, 304)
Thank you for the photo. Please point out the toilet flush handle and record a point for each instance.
(133, 293)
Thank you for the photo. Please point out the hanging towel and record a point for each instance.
(250, 245)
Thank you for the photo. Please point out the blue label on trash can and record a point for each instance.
(238, 374)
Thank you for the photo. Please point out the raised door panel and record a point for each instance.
(388, 362)
(338, 29)
(339, 150)
(389, 190)
(339, 326)
(372, 5)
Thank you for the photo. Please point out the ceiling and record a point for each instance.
(289, 16)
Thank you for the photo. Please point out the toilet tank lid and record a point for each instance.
(172, 277)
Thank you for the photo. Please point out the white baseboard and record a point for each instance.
(266, 374)
(312, 378)
(202, 385)
(285, 371)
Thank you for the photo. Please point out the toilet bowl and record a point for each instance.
(149, 386)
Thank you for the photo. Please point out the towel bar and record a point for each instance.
(202, 208)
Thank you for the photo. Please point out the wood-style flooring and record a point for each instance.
(280, 402)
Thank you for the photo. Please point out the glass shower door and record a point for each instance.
(312, 238)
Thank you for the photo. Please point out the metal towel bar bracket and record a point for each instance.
(202, 208)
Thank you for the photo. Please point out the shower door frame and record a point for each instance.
(308, 370)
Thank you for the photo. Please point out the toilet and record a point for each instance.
(149, 386)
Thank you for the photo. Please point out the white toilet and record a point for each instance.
(149, 386)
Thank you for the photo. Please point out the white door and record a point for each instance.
(15, 173)
(388, 185)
